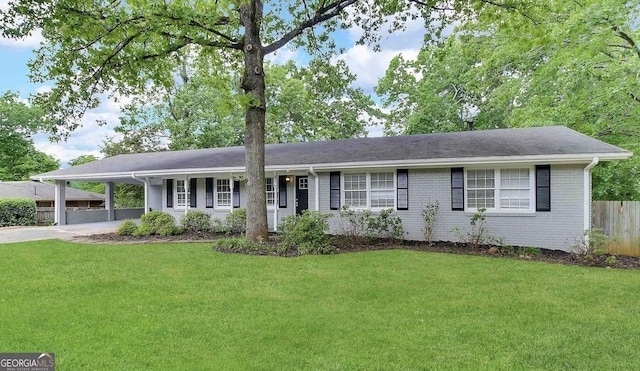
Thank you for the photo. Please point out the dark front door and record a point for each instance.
(302, 194)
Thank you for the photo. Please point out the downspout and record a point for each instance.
(146, 185)
(587, 192)
(316, 183)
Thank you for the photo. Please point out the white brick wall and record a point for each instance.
(557, 229)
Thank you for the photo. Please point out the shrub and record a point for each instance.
(360, 226)
(17, 211)
(429, 213)
(236, 221)
(196, 221)
(591, 243)
(219, 226)
(386, 225)
(354, 224)
(143, 230)
(478, 234)
(128, 228)
(157, 222)
(306, 233)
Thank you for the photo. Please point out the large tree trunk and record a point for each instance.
(254, 86)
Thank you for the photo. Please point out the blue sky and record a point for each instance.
(14, 56)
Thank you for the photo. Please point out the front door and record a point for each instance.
(302, 194)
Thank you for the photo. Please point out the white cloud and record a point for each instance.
(29, 42)
(86, 139)
(283, 55)
(370, 66)
(43, 89)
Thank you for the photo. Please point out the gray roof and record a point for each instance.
(44, 192)
(552, 144)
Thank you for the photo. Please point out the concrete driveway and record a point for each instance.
(20, 234)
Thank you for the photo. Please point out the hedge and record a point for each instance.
(17, 211)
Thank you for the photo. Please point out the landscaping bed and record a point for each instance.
(346, 245)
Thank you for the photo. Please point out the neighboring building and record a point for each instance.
(44, 194)
(535, 183)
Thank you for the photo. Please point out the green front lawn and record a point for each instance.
(184, 306)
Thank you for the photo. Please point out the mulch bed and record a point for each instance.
(346, 246)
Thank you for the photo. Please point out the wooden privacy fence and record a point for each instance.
(45, 215)
(620, 221)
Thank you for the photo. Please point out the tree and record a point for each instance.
(122, 47)
(565, 63)
(310, 103)
(315, 102)
(18, 157)
(87, 186)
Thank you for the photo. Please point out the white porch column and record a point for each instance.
(60, 201)
(109, 202)
(276, 201)
(146, 194)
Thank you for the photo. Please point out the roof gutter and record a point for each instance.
(587, 192)
(146, 186)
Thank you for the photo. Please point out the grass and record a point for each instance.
(184, 306)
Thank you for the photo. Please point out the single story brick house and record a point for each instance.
(535, 183)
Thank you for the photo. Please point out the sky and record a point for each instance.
(367, 65)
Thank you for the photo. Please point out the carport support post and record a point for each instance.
(109, 201)
(60, 201)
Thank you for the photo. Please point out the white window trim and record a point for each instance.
(216, 205)
(368, 190)
(176, 194)
(274, 186)
(497, 209)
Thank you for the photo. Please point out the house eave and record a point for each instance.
(412, 163)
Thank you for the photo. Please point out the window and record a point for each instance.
(181, 194)
(481, 189)
(382, 190)
(223, 193)
(355, 190)
(369, 190)
(499, 189)
(515, 189)
(303, 183)
(271, 192)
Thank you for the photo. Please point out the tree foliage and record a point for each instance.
(18, 157)
(311, 103)
(562, 63)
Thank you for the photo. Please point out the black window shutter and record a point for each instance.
(457, 188)
(282, 191)
(334, 190)
(543, 188)
(193, 188)
(169, 193)
(236, 194)
(403, 189)
(209, 192)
